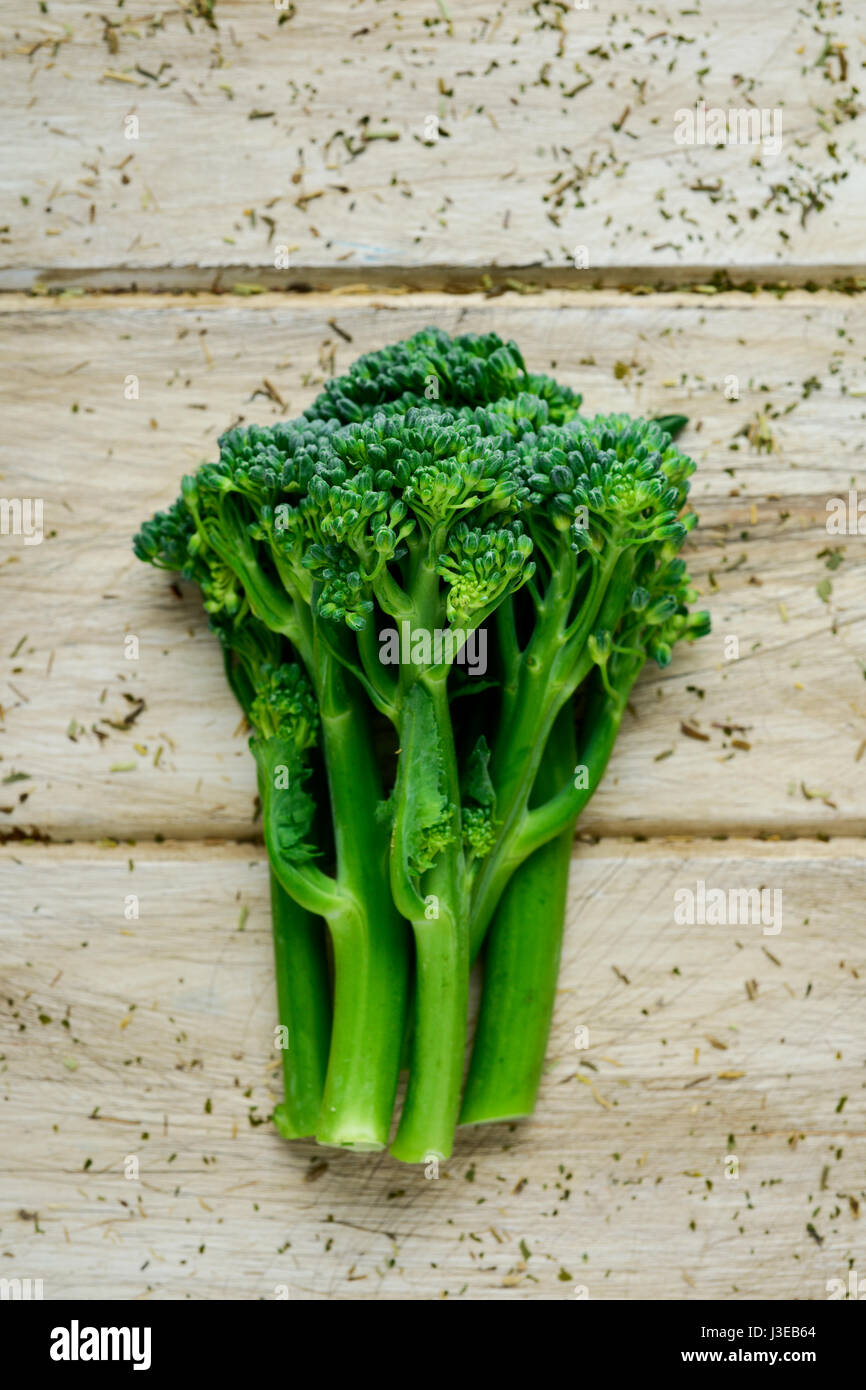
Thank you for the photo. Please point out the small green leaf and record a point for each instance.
(477, 785)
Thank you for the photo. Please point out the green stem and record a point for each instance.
(441, 938)
(231, 542)
(541, 699)
(367, 1033)
(278, 764)
(303, 1002)
(300, 961)
(368, 937)
(370, 941)
(555, 663)
(521, 964)
(438, 1044)
(545, 822)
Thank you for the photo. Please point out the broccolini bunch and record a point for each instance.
(416, 815)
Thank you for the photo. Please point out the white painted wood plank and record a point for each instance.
(555, 122)
(103, 463)
(154, 1039)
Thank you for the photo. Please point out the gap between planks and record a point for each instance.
(400, 298)
(743, 847)
(492, 280)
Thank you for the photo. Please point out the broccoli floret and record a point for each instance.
(438, 494)
(433, 369)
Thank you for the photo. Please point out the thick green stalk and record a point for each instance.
(367, 1032)
(438, 1044)
(544, 823)
(439, 922)
(370, 940)
(520, 750)
(551, 667)
(521, 964)
(554, 664)
(303, 998)
(304, 1010)
(300, 958)
(523, 945)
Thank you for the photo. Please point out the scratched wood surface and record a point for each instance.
(705, 1141)
(765, 743)
(172, 147)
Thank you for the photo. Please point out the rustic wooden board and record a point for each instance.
(102, 463)
(287, 146)
(307, 128)
(154, 1039)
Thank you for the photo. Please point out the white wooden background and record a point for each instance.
(555, 129)
(152, 1038)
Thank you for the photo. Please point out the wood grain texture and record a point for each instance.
(102, 463)
(288, 146)
(153, 1038)
(308, 127)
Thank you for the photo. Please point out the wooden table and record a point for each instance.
(411, 168)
